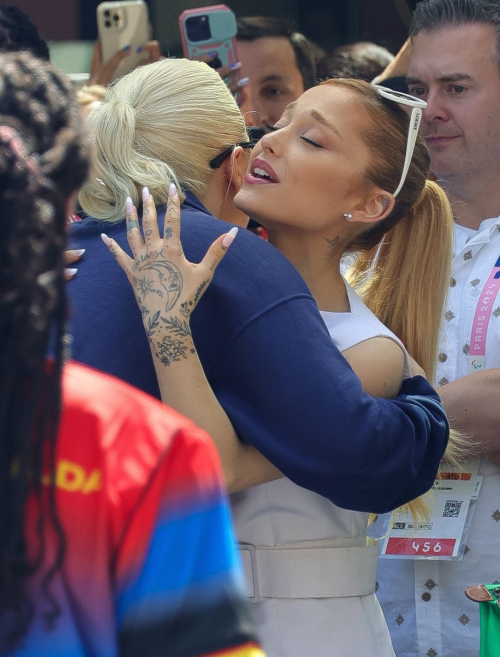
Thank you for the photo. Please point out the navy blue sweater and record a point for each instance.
(272, 365)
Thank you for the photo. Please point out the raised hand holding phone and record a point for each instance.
(123, 44)
(209, 34)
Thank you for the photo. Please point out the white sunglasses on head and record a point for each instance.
(417, 106)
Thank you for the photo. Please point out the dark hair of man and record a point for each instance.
(43, 161)
(437, 14)
(306, 53)
(17, 32)
(363, 60)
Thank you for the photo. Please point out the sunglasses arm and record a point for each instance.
(415, 118)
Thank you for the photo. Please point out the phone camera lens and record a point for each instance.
(116, 18)
(198, 28)
(107, 13)
(107, 23)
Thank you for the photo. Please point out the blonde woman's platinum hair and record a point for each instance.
(160, 124)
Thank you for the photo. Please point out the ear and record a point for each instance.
(235, 168)
(377, 206)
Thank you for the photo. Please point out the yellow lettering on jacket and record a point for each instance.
(93, 482)
(73, 478)
(69, 476)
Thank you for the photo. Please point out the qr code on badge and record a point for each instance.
(452, 509)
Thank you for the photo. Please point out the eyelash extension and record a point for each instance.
(271, 128)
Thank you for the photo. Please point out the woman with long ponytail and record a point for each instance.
(343, 170)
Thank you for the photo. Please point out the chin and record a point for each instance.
(443, 170)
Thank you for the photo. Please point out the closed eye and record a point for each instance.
(313, 143)
(274, 128)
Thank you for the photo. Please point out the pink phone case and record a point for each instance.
(225, 46)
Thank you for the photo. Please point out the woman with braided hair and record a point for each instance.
(99, 484)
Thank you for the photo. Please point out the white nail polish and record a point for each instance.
(172, 190)
(105, 239)
(229, 238)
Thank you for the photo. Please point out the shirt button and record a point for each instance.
(452, 282)
(426, 596)
(442, 358)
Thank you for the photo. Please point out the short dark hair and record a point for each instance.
(363, 60)
(18, 32)
(436, 14)
(306, 52)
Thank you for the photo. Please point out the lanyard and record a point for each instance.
(481, 320)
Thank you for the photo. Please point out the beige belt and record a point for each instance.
(311, 572)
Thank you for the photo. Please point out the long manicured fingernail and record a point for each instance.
(145, 194)
(229, 238)
(213, 53)
(129, 206)
(172, 190)
(235, 66)
(243, 82)
(77, 253)
(70, 272)
(105, 239)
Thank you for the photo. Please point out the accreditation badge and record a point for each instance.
(444, 535)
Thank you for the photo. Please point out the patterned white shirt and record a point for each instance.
(424, 603)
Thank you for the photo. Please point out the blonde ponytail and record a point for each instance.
(118, 169)
(405, 279)
(409, 272)
(162, 123)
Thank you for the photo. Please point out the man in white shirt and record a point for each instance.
(455, 67)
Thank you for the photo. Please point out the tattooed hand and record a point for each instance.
(167, 287)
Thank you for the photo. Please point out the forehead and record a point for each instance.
(468, 49)
(339, 105)
(268, 56)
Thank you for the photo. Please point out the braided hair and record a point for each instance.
(43, 161)
(17, 32)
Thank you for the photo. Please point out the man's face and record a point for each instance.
(455, 71)
(275, 80)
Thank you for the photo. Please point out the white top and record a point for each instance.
(447, 624)
(281, 513)
(360, 324)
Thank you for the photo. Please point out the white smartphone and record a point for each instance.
(122, 24)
